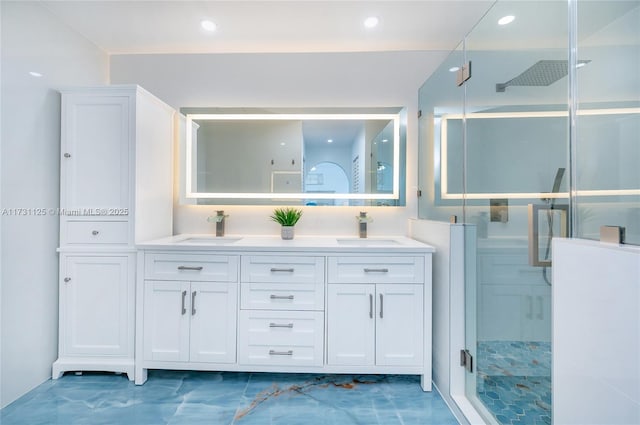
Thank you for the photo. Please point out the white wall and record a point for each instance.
(33, 40)
(380, 79)
(596, 333)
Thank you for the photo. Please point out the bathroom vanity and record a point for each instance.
(313, 304)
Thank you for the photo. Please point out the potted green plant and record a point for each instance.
(287, 218)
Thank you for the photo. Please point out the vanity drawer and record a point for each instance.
(287, 338)
(282, 296)
(504, 269)
(191, 267)
(282, 269)
(97, 232)
(399, 269)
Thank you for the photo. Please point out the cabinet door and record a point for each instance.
(166, 320)
(213, 322)
(95, 164)
(96, 305)
(351, 324)
(506, 312)
(541, 317)
(399, 324)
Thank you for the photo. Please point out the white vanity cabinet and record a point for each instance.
(116, 180)
(97, 308)
(190, 321)
(190, 316)
(370, 323)
(282, 311)
(515, 299)
(310, 305)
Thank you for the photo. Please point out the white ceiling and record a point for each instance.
(243, 26)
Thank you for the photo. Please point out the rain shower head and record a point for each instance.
(542, 73)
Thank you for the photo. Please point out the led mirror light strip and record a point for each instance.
(229, 195)
(444, 190)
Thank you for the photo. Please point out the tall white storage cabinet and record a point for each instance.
(116, 188)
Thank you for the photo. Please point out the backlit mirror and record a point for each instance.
(293, 158)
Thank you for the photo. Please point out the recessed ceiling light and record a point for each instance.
(506, 20)
(371, 22)
(454, 69)
(385, 140)
(329, 140)
(35, 74)
(208, 25)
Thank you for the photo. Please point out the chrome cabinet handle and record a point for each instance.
(384, 270)
(281, 297)
(278, 325)
(370, 306)
(381, 305)
(193, 303)
(67, 279)
(196, 268)
(287, 270)
(540, 314)
(95, 232)
(280, 353)
(184, 296)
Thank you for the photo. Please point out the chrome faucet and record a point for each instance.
(362, 224)
(219, 220)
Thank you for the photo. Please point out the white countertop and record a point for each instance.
(208, 242)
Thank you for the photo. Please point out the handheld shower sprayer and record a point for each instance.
(557, 181)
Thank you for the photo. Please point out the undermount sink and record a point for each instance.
(209, 240)
(367, 242)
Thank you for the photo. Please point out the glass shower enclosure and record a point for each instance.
(540, 141)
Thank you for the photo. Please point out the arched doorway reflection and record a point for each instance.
(326, 177)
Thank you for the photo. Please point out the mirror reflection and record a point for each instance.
(312, 159)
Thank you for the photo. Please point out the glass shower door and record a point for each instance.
(515, 131)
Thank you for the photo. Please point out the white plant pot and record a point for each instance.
(287, 232)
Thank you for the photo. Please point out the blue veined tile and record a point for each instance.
(503, 419)
(174, 398)
(202, 413)
(492, 395)
(517, 410)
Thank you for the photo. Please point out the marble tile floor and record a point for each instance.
(220, 398)
(514, 381)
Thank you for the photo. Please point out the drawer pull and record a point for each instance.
(275, 270)
(367, 270)
(95, 232)
(195, 268)
(281, 297)
(280, 353)
(278, 325)
(184, 309)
